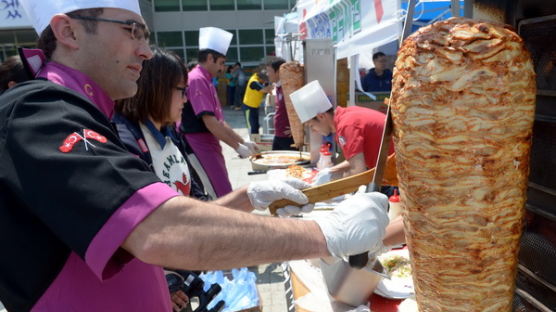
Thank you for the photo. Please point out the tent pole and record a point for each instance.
(468, 8)
(455, 8)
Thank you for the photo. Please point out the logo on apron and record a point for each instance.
(168, 163)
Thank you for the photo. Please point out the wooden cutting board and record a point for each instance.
(342, 186)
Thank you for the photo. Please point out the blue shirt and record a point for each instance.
(372, 82)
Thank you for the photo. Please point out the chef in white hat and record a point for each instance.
(88, 225)
(202, 119)
(358, 130)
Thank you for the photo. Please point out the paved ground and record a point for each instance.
(270, 278)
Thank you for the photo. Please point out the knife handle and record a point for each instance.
(359, 261)
(373, 187)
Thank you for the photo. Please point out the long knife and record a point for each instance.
(359, 261)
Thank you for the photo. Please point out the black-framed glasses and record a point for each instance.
(138, 31)
(183, 91)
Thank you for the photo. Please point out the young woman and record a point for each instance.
(146, 123)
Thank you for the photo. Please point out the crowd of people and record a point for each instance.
(112, 170)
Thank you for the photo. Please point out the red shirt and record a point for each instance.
(359, 130)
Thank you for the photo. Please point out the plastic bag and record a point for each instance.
(238, 293)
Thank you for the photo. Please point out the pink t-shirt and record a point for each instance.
(202, 93)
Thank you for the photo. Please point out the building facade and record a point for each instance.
(175, 25)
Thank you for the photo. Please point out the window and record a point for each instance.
(250, 36)
(269, 36)
(221, 5)
(194, 5)
(169, 39)
(270, 50)
(179, 52)
(231, 56)
(252, 54)
(192, 38)
(248, 4)
(166, 5)
(192, 54)
(276, 4)
(26, 36)
(6, 37)
(234, 38)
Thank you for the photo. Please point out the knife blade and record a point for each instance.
(359, 261)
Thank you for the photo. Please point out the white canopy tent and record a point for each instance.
(357, 28)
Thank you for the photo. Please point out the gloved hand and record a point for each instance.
(243, 151)
(252, 146)
(294, 210)
(263, 193)
(322, 177)
(357, 225)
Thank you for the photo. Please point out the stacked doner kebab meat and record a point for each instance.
(463, 108)
(292, 77)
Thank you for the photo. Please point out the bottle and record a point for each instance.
(325, 159)
(395, 205)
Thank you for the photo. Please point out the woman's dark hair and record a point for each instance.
(159, 78)
(47, 40)
(203, 55)
(276, 63)
(11, 70)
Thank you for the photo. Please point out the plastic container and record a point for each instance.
(395, 206)
(325, 159)
(350, 285)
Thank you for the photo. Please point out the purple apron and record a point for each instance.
(203, 98)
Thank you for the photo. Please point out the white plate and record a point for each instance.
(395, 288)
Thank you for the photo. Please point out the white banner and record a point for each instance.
(355, 26)
(12, 15)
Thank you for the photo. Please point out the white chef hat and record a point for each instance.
(310, 101)
(40, 12)
(215, 39)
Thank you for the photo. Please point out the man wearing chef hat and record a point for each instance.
(203, 123)
(358, 130)
(87, 226)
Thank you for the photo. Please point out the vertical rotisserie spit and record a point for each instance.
(463, 107)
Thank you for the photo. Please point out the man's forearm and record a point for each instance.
(340, 168)
(222, 131)
(188, 234)
(233, 133)
(237, 200)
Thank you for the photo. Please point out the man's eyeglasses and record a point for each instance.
(183, 91)
(137, 30)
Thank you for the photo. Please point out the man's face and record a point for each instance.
(273, 76)
(111, 57)
(380, 62)
(215, 68)
(320, 124)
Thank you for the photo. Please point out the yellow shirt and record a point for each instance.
(253, 98)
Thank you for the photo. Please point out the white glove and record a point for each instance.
(294, 210)
(357, 225)
(243, 151)
(252, 146)
(263, 193)
(322, 177)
